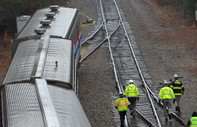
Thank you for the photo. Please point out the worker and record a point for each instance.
(132, 93)
(122, 105)
(178, 89)
(166, 95)
(192, 122)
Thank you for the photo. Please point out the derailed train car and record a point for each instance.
(40, 87)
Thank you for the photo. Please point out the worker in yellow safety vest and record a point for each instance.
(192, 122)
(122, 105)
(132, 93)
(178, 89)
(166, 95)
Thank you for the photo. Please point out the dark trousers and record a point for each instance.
(133, 101)
(122, 117)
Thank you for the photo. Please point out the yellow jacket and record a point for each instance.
(166, 93)
(131, 91)
(122, 104)
(193, 121)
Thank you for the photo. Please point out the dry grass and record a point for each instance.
(5, 55)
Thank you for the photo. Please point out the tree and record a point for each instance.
(10, 9)
(188, 7)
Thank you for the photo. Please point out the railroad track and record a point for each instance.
(128, 64)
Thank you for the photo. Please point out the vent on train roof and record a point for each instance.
(45, 22)
(50, 15)
(54, 8)
(40, 31)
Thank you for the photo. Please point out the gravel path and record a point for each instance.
(96, 78)
(168, 46)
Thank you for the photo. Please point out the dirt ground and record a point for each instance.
(5, 58)
(167, 43)
(168, 46)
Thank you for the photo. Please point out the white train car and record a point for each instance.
(40, 87)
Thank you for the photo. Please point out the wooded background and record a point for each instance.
(186, 7)
(10, 9)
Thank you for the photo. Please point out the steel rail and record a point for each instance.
(110, 50)
(98, 45)
(109, 43)
(138, 67)
(179, 119)
(141, 75)
(149, 122)
(91, 36)
(140, 72)
(111, 56)
(157, 100)
(175, 116)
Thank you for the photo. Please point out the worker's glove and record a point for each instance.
(173, 101)
(138, 98)
(116, 107)
(182, 93)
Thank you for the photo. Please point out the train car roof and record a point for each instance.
(23, 103)
(60, 24)
(49, 58)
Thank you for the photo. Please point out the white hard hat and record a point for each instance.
(131, 81)
(165, 82)
(120, 93)
(176, 76)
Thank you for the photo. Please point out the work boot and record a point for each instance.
(178, 109)
(170, 116)
(133, 115)
(166, 119)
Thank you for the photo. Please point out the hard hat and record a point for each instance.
(120, 93)
(131, 81)
(165, 82)
(176, 76)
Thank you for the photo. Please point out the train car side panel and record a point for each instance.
(20, 106)
(70, 111)
(22, 64)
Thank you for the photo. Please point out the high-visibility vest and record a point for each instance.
(177, 87)
(193, 121)
(166, 93)
(131, 91)
(122, 104)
